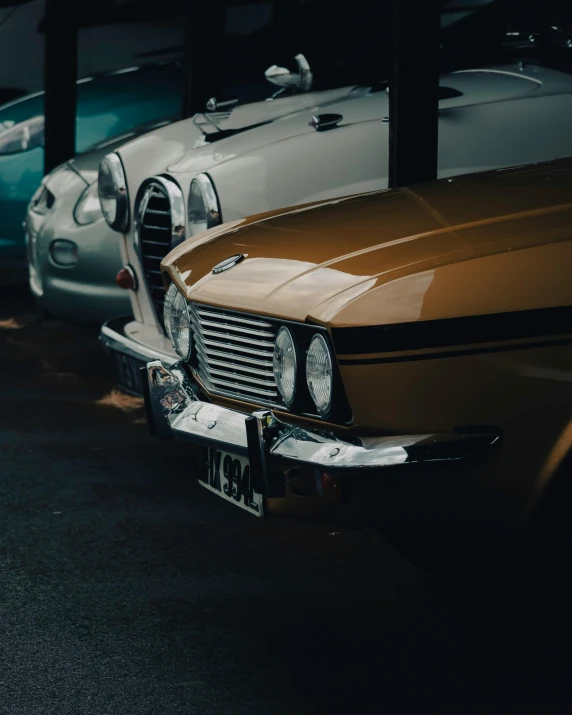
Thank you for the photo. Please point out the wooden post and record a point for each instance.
(60, 68)
(414, 91)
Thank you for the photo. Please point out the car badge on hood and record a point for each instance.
(228, 263)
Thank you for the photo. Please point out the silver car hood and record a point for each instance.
(358, 105)
(86, 164)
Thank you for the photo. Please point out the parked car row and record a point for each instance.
(386, 356)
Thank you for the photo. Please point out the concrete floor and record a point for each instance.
(125, 588)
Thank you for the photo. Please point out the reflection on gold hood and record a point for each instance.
(470, 245)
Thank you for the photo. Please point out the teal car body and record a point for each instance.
(107, 106)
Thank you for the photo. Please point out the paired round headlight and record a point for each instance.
(113, 193)
(319, 370)
(178, 322)
(319, 374)
(285, 365)
(88, 209)
(203, 208)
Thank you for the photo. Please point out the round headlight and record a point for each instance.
(113, 196)
(177, 321)
(88, 209)
(285, 365)
(319, 374)
(167, 308)
(203, 209)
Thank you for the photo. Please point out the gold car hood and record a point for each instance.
(469, 245)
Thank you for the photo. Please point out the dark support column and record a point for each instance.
(203, 53)
(413, 91)
(60, 82)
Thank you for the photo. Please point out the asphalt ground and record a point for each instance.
(126, 588)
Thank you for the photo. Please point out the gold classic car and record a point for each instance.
(393, 358)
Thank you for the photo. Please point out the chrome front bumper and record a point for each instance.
(174, 410)
(129, 355)
(114, 339)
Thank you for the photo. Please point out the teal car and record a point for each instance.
(108, 106)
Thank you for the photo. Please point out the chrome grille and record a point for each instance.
(155, 233)
(233, 353)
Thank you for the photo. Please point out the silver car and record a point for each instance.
(73, 255)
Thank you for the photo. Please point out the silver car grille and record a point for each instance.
(233, 353)
(155, 235)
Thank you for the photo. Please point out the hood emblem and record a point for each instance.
(228, 263)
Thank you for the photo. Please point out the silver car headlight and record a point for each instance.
(203, 208)
(177, 321)
(22, 136)
(88, 209)
(320, 374)
(113, 195)
(285, 365)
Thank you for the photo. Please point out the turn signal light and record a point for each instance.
(126, 278)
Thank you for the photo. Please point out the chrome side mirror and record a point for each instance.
(283, 77)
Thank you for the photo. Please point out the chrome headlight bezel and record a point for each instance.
(203, 207)
(112, 191)
(177, 321)
(88, 207)
(285, 349)
(320, 367)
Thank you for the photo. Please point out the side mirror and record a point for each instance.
(283, 77)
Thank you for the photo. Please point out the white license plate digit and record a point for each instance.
(228, 475)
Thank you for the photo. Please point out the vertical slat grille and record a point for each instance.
(155, 235)
(233, 353)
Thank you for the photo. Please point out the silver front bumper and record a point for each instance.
(114, 339)
(174, 410)
(129, 355)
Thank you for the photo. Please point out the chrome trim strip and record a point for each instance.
(230, 356)
(245, 368)
(156, 211)
(236, 329)
(238, 378)
(231, 316)
(246, 392)
(248, 341)
(238, 348)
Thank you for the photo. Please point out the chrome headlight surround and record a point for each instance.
(112, 190)
(320, 374)
(203, 207)
(88, 207)
(285, 365)
(177, 322)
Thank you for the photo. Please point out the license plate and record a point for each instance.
(228, 475)
(128, 373)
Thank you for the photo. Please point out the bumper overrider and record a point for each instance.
(271, 445)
